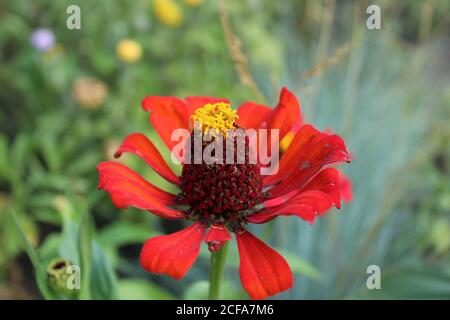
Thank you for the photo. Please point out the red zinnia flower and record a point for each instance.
(222, 198)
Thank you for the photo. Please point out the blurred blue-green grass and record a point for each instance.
(387, 95)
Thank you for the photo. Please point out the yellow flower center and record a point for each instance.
(215, 118)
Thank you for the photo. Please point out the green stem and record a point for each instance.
(216, 272)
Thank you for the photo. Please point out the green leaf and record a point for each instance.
(440, 235)
(98, 280)
(4, 163)
(50, 246)
(83, 164)
(49, 149)
(123, 233)
(84, 243)
(68, 247)
(412, 282)
(39, 266)
(103, 278)
(199, 291)
(301, 266)
(19, 153)
(138, 289)
(298, 265)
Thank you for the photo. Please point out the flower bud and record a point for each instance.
(58, 273)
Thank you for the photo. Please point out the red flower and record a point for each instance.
(223, 198)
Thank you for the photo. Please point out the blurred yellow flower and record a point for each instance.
(193, 2)
(129, 50)
(168, 12)
(89, 92)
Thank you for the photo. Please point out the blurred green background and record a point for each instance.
(64, 108)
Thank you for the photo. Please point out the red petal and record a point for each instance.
(345, 187)
(216, 237)
(218, 232)
(314, 156)
(140, 145)
(286, 116)
(127, 188)
(305, 205)
(279, 200)
(263, 271)
(307, 135)
(173, 254)
(253, 115)
(327, 181)
(166, 115)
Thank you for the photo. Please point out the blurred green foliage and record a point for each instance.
(385, 91)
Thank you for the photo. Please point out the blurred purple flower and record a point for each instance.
(42, 39)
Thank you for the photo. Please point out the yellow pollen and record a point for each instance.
(215, 118)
